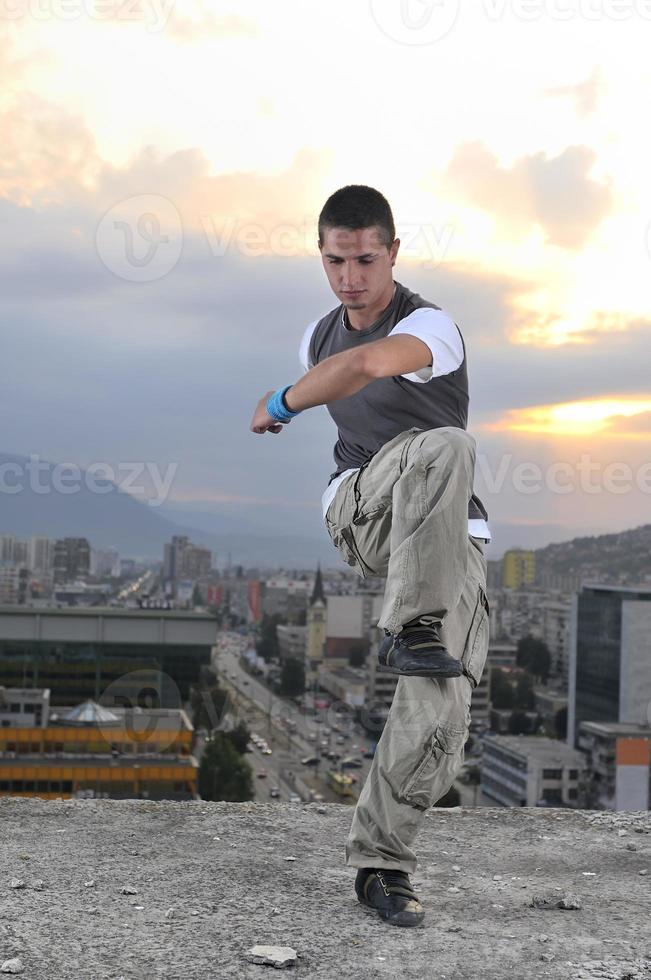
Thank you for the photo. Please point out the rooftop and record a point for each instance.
(122, 611)
(239, 875)
(544, 749)
(615, 728)
(641, 591)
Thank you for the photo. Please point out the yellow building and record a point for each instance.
(90, 750)
(518, 568)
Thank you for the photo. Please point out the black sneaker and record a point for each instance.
(417, 651)
(390, 894)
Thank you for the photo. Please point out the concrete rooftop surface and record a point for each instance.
(240, 875)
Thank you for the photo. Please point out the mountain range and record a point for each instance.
(114, 518)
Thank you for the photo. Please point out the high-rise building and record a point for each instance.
(610, 656)
(14, 583)
(40, 554)
(20, 552)
(7, 545)
(71, 559)
(173, 551)
(556, 615)
(518, 568)
(184, 562)
(195, 562)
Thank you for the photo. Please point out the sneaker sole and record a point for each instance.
(424, 672)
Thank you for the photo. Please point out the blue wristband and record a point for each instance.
(277, 408)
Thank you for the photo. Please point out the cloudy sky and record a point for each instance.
(162, 166)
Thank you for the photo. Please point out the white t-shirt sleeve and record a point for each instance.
(440, 333)
(304, 349)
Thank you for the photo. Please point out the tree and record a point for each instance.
(267, 645)
(524, 697)
(208, 704)
(502, 693)
(357, 655)
(292, 678)
(240, 736)
(223, 773)
(534, 655)
(197, 598)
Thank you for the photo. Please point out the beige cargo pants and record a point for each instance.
(404, 515)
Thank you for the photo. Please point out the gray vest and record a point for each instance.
(387, 406)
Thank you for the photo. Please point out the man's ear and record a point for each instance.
(394, 251)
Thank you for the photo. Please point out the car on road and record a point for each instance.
(312, 736)
(295, 798)
(266, 750)
(311, 760)
(352, 763)
(261, 773)
(274, 792)
(340, 739)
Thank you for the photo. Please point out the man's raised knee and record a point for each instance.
(459, 440)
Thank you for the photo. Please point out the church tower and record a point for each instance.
(316, 628)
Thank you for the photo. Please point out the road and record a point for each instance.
(263, 711)
(314, 734)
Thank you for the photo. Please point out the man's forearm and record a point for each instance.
(336, 377)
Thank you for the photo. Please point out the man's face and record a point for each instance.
(358, 265)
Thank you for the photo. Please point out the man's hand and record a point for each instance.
(262, 421)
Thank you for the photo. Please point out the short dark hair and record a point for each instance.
(357, 206)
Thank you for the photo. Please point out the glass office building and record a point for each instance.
(610, 656)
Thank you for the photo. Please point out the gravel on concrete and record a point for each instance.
(126, 889)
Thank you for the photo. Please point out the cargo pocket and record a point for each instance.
(435, 771)
(476, 646)
(341, 543)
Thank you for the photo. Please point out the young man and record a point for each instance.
(391, 369)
